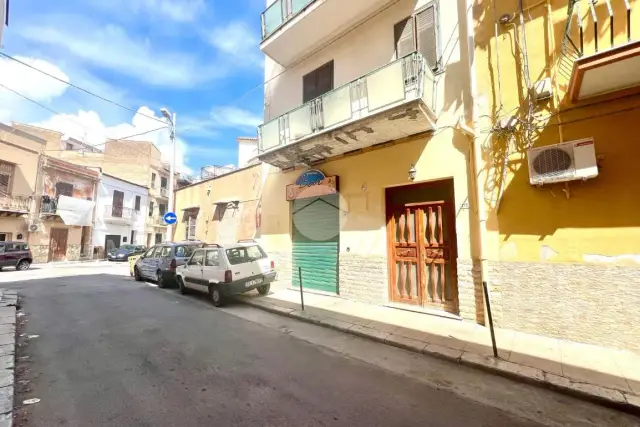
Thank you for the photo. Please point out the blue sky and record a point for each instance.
(198, 58)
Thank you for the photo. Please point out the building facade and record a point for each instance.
(19, 165)
(62, 228)
(121, 213)
(371, 189)
(563, 257)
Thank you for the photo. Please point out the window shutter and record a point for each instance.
(64, 189)
(309, 85)
(4, 184)
(137, 203)
(325, 79)
(118, 199)
(427, 36)
(404, 37)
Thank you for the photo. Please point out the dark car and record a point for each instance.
(125, 251)
(15, 254)
(160, 262)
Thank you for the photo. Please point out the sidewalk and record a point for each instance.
(609, 377)
(83, 263)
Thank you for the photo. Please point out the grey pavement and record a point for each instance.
(114, 352)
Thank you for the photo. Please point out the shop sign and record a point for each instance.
(312, 183)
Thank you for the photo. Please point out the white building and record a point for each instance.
(121, 210)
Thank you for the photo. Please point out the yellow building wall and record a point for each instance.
(244, 185)
(598, 221)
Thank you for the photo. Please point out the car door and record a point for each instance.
(3, 255)
(193, 271)
(183, 253)
(12, 254)
(163, 258)
(212, 272)
(146, 260)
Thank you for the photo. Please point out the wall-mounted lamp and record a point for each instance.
(412, 173)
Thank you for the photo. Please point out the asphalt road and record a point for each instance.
(113, 352)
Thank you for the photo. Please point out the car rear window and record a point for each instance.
(164, 252)
(245, 254)
(185, 251)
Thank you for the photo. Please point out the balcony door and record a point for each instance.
(118, 204)
(317, 83)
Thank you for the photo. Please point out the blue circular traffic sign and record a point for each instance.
(170, 218)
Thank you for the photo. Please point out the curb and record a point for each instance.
(603, 396)
(8, 311)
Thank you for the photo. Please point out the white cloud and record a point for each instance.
(173, 10)
(237, 40)
(238, 118)
(111, 47)
(87, 126)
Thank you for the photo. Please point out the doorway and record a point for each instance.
(111, 242)
(58, 244)
(421, 245)
(158, 238)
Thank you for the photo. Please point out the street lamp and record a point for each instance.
(172, 136)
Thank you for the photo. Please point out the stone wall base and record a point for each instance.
(40, 253)
(364, 278)
(594, 304)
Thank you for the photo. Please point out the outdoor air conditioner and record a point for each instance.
(567, 161)
(35, 226)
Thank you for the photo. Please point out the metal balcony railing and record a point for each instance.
(583, 12)
(15, 203)
(279, 13)
(406, 79)
(157, 220)
(118, 212)
(164, 192)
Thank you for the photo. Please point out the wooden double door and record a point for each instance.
(422, 255)
(58, 244)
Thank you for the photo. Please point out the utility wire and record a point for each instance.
(78, 123)
(79, 88)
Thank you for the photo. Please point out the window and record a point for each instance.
(185, 251)
(1, 249)
(318, 82)
(419, 33)
(158, 238)
(213, 258)
(64, 189)
(162, 209)
(163, 182)
(197, 258)
(150, 208)
(245, 254)
(149, 253)
(6, 177)
(191, 228)
(69, 147)
(153, 180)
(124, 239)
(118, 202)
(137, 205)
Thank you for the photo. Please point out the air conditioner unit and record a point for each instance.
(567, 161)
(35, 226)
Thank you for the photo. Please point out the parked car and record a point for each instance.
(133, 259)
(227, 270)
(125, 251)
(15, 254)
(160, 262)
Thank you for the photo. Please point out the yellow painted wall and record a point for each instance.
(363, 178)
(244, 185)
(599, 221)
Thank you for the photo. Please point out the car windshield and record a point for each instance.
(127, 247)
(245, 254)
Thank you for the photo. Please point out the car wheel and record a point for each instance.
(136, 274)
(264, 290)
(183, 289)
(215, 295)
(160, 280)
(23, 265)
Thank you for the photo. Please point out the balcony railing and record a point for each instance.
(157, 220)
(279, 13)
(10, 203)
(118, 212)
(406, 79)
(164, 192)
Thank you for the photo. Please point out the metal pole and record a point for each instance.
(301, 293)
(172, 176)
(493, 335)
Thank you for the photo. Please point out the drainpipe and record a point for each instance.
(95, 211)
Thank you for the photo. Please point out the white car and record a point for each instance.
(227, 270)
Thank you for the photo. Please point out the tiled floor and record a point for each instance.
(580, 362)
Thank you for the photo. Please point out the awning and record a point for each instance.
(75, 211)
(227, 200)
(190, 213)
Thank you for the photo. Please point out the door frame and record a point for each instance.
(452, 306)
(66, 242)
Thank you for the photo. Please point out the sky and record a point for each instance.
(197, 58)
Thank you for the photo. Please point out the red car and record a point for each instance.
(15, 254)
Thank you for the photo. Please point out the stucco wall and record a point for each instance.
(40, 242)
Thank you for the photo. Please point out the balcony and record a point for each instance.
(157, 221)
(118, 214)
(604, 57)
(392, 102)
(293, 28)
(159, 192)
(14, 205)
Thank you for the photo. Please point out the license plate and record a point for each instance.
(252, 283)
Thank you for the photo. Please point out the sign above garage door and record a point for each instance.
(312, 183)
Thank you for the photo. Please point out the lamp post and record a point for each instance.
(172, 136)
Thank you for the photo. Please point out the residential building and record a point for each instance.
(247, 150)
(65, 211)
(121, 213)
(19, 161)
(371, 192)
(562, 251)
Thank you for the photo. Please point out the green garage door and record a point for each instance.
(316, 234)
